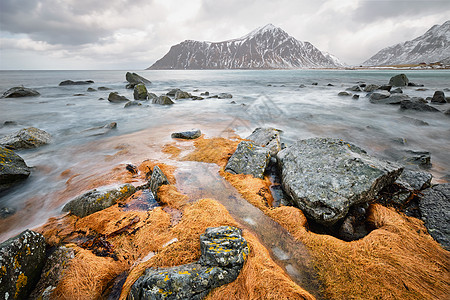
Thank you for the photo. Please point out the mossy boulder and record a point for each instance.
(140, 92)
(20, 91)
(96, 200)
(21, 260)
(13, 169)
(26, 138)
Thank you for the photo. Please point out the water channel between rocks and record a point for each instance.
(201, 180)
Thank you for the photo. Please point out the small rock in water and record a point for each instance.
(385, 87)
(375, 96)
(355, 96)
(439, 97)
(132, 103)
(172, 92)
(314, 83)
(162, 100)
(355, 88)
(302, 86)
(187, 135)
(415, 122)
(225, 96)
(103, 88)
(204, 94)
(71, 82)
(158, 179)
(397, 91)
(132, 169)
(140, 92)
(26, 138)
(114, 97)
(344, 94)
(91, 90)
(371, 87)
(17, 92)
(182, 95)
(249, 159)
(5, 212)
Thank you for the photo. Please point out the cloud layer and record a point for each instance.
(125, 34)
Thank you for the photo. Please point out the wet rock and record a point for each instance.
(114, 97)
(223, 253)
(158, 179)
(187, 135)
(411, 158)
(325, 177)
(354, 88)
(151, 96)
(96, 200)
(393, 99)
(302, 86)
(249, 159)
(435, 210)
(6, 212)
(52, 273)
(314, 83)
(26, 138)
(371, 87)
(101, 130)
(385, 88)
(397, 91)
(21, 260)
(135, 79)
(140, 92)
(182, 95)
(439, 97)
(9, 123)
(204, 94)
(416, 105)
(355, 97)
(71, 82)
(399, 80)
(225, 96)
(132, 103)
(103, 88)
(13, 169)
(330, 84)
(173, 92)
(267, 137)
(375, 96)
(197, 98)
(418, 99)
(78, 95)
(414, 84)
(414, 121)
(20, 91)
(91, 90)
(344, 94)
(414, 180)
(353, 227)
(162, 100)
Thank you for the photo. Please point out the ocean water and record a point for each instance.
(260, 98)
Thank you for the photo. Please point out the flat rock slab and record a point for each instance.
(435, 210)
(249, 159)
(13, 169)
(26, 138)
(20, 91)
(21, 261)
(187, 135)
(325, 177)
(267, 137)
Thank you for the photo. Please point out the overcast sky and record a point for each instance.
(133, 34)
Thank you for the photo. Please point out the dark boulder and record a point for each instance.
(13, 169)
(439, 97)
(114, 97)
(21, 261)
(132, 103)
(397, 91)
(162, 100)
(20, 91)
(375, 96)
(385, 87)
(140, 92)
(249, 158)
(26, 138)
(416, 105)
(392, 99)
(173, 92)
(371, 87)
(267, 137)
(399, 80)
(325, 177)
(135, 79)
(187, 135)
(223, 253)
(91, 90)
(71, 82)
(97, 199)
(355, 97)
(435, 210)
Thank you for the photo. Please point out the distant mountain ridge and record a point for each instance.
(433, 46)
(267, 47)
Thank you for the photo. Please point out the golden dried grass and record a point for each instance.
(214, 150)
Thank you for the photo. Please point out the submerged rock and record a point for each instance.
(249, 159)
(225, 96)
(140, 92)
(26, 138)
(71, 82)
(132, 103)
(173, 92)
(162, 100)
(21, 260)
(416, 105)
(435, 210)
(135, 79)
(399, 80)
(397, 91)
(354, 88)
(20, 91)
(13, 169)
(223, 253)
(114, 97)
(96, 200)
(267, 137)
(393, 99)
(325, 177)
(187, 135)
(375, 96)
(344, 94)
(439, 97)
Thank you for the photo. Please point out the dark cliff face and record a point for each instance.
(266, 48)
(432, 46)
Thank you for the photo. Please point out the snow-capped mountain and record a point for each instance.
(268, 47)
(433, 46)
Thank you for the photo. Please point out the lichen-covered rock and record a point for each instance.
(162, 100)
(114, 97)
(226, 252)
(399, 80)
(267, 137)
(187, 135)
(325, 177)
(415, 180)
(20, 91)
(182, 95)
(26, 138)
(52, 272)
(140, 92)
(96, 200)
(21, 260)
(158, 179)
(249, 159)
(135, 79)
(435, 210)
(13, 169)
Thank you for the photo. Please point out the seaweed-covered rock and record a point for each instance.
(267, 137)
(140, 92)
(114, 97)
(158, 179)
(96, 200)
(21, 260)
(71, 82)
(223, 253)
(187, 135)
(162, 100)
(20, 91)
(249, 159)
(26, 138)
(435, 210)
(325, 177)
(13, 169)
(399, 80)
(135, 79)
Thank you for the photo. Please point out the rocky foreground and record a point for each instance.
(373, 229)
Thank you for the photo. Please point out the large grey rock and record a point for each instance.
(96, 200)
(182, 95)
(439, 97)
(140, 92)
(19, 91)
(435, 210)
(135, 79)
(21, 260)
(13, 169)
(162, 100)
(267, 137)
(415, 180)
(397, 91)
(399, 80)
(379, 95)
(325, 177)
(249, 159)
(371, 87)
(26, 138)
(223, 253)
(114, 97)
(187, 135)
(392, 99)
(71, 82)
(417, 105)
(158, 179)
